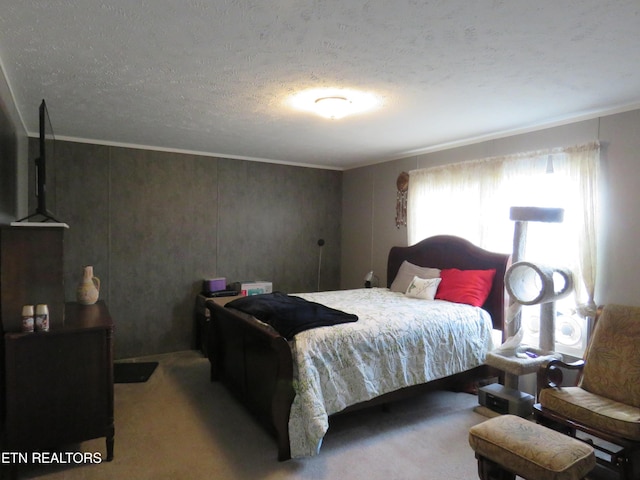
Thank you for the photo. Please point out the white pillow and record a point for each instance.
(407, 271)
(424, 288)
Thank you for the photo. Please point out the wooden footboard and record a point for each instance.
(254, 362)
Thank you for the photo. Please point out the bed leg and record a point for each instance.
(213, 374)
(280, 411)
(283, 453)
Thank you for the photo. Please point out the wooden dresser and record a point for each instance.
(59, 384)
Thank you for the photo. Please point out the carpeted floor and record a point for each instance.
(178, 425)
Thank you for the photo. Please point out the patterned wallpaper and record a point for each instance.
(8, 169)
(155, 224)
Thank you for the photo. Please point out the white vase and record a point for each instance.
(89, 287)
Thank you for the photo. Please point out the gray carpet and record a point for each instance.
(178, 425)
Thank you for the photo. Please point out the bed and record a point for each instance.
(282, 381)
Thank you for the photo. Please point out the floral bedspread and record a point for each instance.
(397, 342)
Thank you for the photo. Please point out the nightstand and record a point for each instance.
(201, 319)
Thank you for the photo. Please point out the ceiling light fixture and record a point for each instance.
(334, 103)
(333, 107)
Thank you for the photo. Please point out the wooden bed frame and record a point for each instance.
(255, 363)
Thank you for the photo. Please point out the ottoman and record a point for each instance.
(509, 445)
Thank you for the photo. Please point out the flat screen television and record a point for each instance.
(46, 149)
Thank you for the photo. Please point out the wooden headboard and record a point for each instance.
(447, 251)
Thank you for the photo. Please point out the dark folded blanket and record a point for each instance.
(289, 314)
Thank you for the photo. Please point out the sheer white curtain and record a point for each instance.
(472, 200)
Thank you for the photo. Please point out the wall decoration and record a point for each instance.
(402, 184)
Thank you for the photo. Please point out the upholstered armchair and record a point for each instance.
(605, 401)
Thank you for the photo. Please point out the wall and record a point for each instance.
(369, 200)
(368, 224)
(8, 169)
(155, 224)
(618, 261)
(13, 158)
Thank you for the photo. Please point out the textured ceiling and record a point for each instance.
(214, 76)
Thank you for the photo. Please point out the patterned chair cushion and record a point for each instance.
(612, 363)
(599, 412)
(530, 450)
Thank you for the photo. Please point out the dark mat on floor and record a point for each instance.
(133, 372)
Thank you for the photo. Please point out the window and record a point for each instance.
(472, 200)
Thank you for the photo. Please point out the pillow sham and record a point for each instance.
(407, 271)
(424, 288)
(465, 286)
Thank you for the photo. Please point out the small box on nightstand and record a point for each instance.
(255, 288)
(214, 285)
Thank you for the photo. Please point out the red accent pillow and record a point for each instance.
(465, 286)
